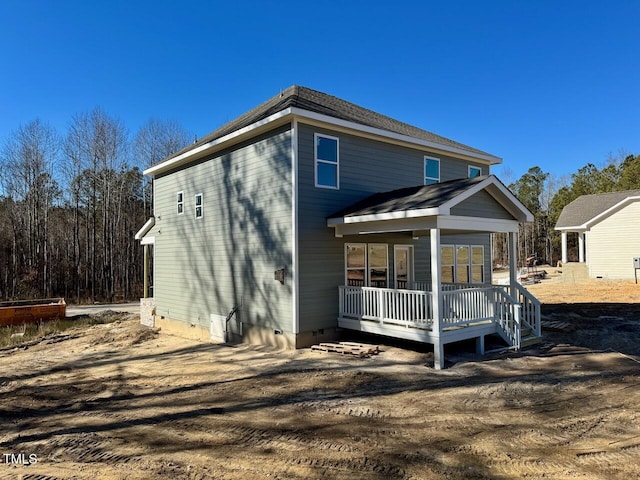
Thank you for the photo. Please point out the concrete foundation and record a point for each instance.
(251, 334)
(183, 329)
(147, 311)
(573, 272)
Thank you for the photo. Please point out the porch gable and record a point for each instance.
(481, 204)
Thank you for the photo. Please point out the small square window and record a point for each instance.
(199, 205)
(474, 171)
(327, 162)
(431, 170)
(180, 203)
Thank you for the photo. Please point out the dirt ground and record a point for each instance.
(120, 401)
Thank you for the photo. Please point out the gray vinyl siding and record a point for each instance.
(613, 243)
(206, 266)
(366, 166)
(482, 204)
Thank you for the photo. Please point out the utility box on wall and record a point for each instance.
(636, 262)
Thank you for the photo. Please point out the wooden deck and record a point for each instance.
(467, 312)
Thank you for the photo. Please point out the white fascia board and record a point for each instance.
(378, 132)
(374, 217)
(491, 180)
(145, 228)
(477, 224)
(148, 241)
(386, 226)
(610, 211)
(576, 228)
(218, 143)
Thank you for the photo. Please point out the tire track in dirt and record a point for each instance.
(343, 408)
(246, 436)
(84, 449)
(349, 467)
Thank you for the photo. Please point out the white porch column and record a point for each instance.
(513, 263)
(581, 247)
(564, 248)
(436, 297)
(146, 272)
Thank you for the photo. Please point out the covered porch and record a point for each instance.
(434, 310)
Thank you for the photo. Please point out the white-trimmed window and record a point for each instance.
(327, 161)
(448, 263)
(378, 265)
(474, 171)
(199, 205)
(431, 170)
(462, 263)
(477, 264)
(356, 264)
(180, 203)
(367, 265)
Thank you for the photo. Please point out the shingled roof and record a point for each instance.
(411, 198)
(313, 101)
(583, 209)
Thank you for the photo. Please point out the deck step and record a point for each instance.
(348, 348)
(530, 340)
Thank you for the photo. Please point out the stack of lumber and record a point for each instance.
(348, 348)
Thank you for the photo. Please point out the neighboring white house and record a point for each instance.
(608, 232)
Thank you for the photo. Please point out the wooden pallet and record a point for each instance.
(557, 326)
(348, 348)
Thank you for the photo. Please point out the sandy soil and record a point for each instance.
(120, 401)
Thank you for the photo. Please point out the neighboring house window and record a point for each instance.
(327, 159)
(462, 263)
(431, 170)
(199, 205)
(180, 202)
(367, 265)
(474, 171)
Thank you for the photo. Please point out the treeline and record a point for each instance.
(546, 196)
(71, 203)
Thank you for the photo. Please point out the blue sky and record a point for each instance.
(547, 83)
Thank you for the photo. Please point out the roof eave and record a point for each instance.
(279, 118)
(284, 115)
(378, 132)
(145, 228)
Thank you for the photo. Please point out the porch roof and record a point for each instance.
(430, 206)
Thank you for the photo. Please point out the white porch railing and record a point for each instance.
(468, 305)
(530, 312)
(460, 307)
(530, 309)
(404, 307)
(507, 315)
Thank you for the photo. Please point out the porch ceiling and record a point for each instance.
(420, 209)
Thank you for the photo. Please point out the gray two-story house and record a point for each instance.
(310, 214)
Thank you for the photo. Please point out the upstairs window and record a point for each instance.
(199, 205)
(180, 202)
(327, 161)
(431, 170)
(474, 171)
